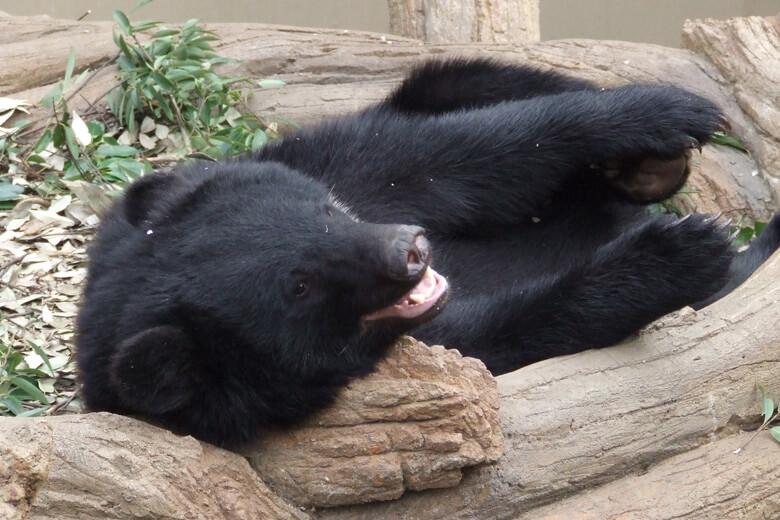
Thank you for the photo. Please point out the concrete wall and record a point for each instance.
(657, 21)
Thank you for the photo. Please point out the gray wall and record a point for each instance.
(656, 21)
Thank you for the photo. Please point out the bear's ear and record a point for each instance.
(147, 194)
(152, 371)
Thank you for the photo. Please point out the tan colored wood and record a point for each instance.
(464, 21)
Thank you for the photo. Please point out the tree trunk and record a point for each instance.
(677, 395)
(464, 21)
(646, 429)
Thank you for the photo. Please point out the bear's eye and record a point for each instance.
(301, 288)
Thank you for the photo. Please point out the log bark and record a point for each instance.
(416, 423)
(457, 21)
(330, 73)
(634, 411)
(426, 414)
(710, 482)
(645, 429)
(746, 52)
(107, 466)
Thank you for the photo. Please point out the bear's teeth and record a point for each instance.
(416, 298)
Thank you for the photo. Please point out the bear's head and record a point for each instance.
(225, 296)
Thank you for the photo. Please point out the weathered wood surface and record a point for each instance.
(450, 21)
(571, 424)
(746, 52)
(427, 414)
(645, 428)
(107, 466)
(330, 73)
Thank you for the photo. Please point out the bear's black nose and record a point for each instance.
(418, 255)
(410, 253)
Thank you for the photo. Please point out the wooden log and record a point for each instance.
(330, 73)
(575, 423)
(457, 21)
(584, 435)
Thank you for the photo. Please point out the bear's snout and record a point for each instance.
(417, 258)
(409, 252)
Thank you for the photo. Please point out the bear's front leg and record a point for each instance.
(651, 270)
(662, 126)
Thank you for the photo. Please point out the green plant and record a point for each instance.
(746, 234)
(20, 393)
(667, 206)
(770, 414)
(170, 102)
(172, 79)
(727, 140)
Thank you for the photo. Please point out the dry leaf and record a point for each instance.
(33, 360)
(161, 131)
(49, 217)
(146, 141)
(147, 125)
(126, 138)
(94, 196)
(14, 104)
(80, 129)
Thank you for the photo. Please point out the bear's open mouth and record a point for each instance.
(421, 299)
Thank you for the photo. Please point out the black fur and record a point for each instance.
(226, 296)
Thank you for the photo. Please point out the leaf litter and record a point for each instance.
(42, 269)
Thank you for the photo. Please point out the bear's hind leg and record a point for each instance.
(650, 270)
(437, 87)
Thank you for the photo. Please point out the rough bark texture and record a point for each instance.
(646, 428)
(331, 72)
(107, 466)
(746, 52)
(571, 424)
(423, 416)
(414, 425)
(458, 21)
(641, 430)
(710, 482)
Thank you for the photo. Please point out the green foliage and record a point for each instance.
(170, 102)
(771, 415)
(20, 394)
(746, 234)
(667, 206)
(172, 80)
(727, 140)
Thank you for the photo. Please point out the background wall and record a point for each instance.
(658, 21)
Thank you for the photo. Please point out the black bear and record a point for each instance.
(226, 296)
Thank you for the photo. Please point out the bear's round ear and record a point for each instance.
(152, 371)
(148, 195)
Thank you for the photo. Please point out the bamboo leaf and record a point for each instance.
(80, 130)
(69, 68)
(139, 5)
(271, 83)
(38, 350)
(767, 405)
(30, 389)
(122, 21)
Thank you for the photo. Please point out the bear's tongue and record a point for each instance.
(418, 301)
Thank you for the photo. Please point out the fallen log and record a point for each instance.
(574, 423)
(330, 72)
(646, 428)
